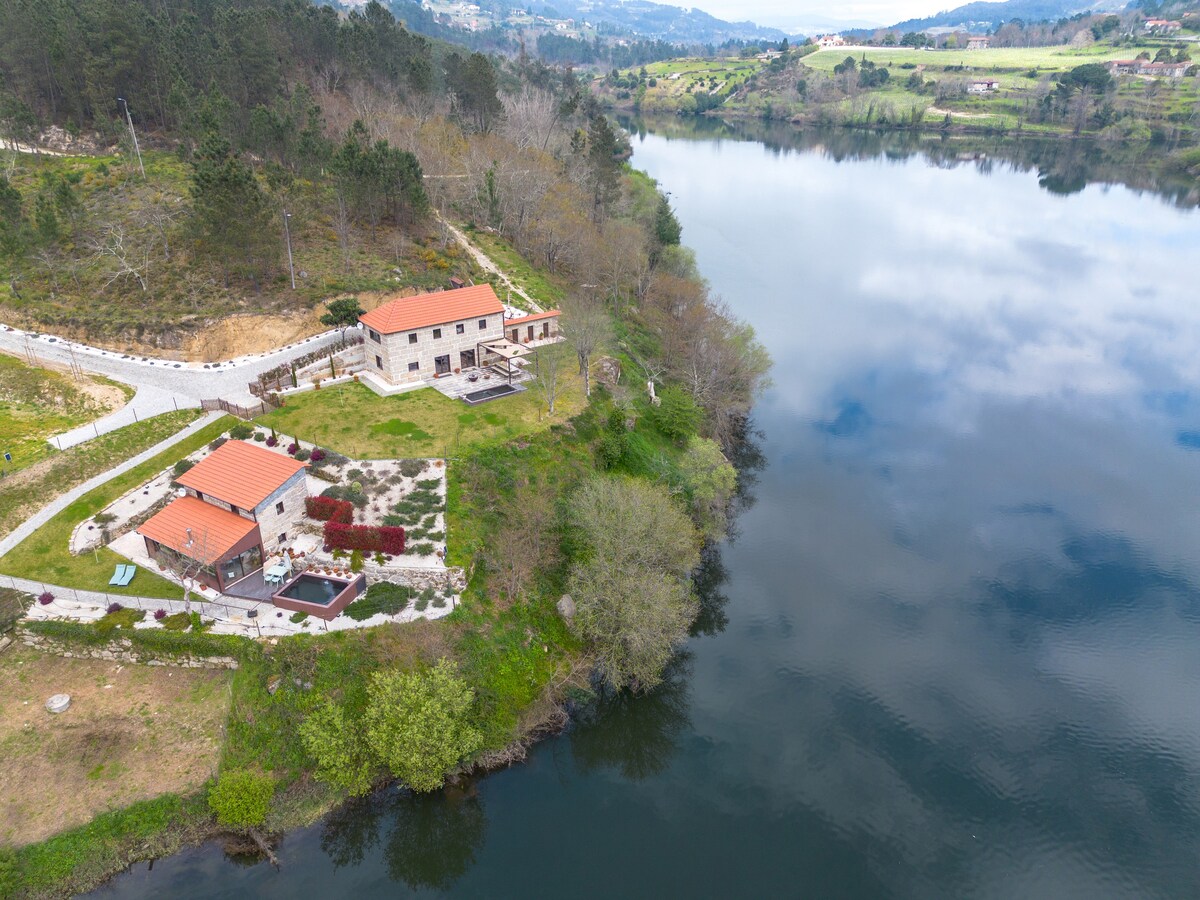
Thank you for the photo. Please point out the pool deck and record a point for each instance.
(456, 387)
(252, 587)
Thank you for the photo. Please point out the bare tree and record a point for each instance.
(187, 569)
(120, 250)
(160, 217)
(550, 380)
(588, 327)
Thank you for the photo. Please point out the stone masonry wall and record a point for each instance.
(119, 650)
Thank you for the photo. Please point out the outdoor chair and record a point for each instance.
(130, 571)
(118, 575)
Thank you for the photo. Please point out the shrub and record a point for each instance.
(678, 416)
(302, 455)
(317, 456)
(272, 441)
(177, 622)
(381, 597)
(386, 538)
(422, 549)
(159, 615)
(240, 432)
(114, 607)
(329, 509)
(213, 445)
(297, 617)
(380, 559)
(104, 518)
(355, 474)
(411, 468)
(182, 466)
(241, 798)
(292, 448)
(45, 598)
(356, 561)
(259, 436)
(119, 617)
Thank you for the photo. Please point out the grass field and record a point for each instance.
(355, 421)
(27, 491)
(36, 403)
(1000, 59)
(44, 555)
(535, 282)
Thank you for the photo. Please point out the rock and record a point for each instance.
(273, 683)
(566, 607)
(58, 703)
(4, 643)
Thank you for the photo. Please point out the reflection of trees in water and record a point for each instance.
(1063, 166)
(434, 839)
(708, 579)
(637, 734)
(432, 842)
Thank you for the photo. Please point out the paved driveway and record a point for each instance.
(162, 385)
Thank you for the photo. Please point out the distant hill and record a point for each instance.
(658, 21)
(981, 14)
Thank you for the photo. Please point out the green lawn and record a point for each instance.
(23, 494)
(44, 555)
(36, 403)
(355, 421)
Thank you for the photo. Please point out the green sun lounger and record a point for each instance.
(118, 575)
(130, 571)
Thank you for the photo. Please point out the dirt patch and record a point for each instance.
(132, 733)
(108, 397)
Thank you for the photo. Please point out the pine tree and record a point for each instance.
(231, 214)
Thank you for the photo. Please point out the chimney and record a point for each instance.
(189, 537)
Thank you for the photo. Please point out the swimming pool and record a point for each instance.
(323, 596)
(491, 393)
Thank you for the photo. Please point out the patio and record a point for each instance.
(458, 385)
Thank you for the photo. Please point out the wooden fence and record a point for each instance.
(265, 405)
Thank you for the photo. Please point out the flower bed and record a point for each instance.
(327, 509)
(387, 539)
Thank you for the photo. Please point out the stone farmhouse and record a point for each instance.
(240, 503)
(416, 339)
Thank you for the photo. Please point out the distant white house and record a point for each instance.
(831, 40)
(978, 42)
(1161, 26)
(983, 86)
(1145, 67)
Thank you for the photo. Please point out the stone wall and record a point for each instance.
(451, 580)
(395, 353)
(119, 650)
(292, 494)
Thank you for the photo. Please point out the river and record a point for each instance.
(954, 647)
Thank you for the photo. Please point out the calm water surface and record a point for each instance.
(954, 649)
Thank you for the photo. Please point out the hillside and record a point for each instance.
(987, 15)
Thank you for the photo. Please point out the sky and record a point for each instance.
(770, 12)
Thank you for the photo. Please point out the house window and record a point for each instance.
(460, 328)
(279, 507)
(437, 333)
(483, 324)
(412, 367)
(283, 538)
(412, 338)
(379, 362)
(375, 335)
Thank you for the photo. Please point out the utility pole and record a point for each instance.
(133, 134)
(287, 232)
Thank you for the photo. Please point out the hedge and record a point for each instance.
(387, 539)
(151, 640)
(327, 509)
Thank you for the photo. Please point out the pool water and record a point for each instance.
(490, 393)
(313, 589)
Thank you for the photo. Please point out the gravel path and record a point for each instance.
(46, 513)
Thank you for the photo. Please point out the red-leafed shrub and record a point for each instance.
(383, 538)
(327, 509)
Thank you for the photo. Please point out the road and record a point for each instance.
(161, 384)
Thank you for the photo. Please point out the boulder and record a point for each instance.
(566, 607)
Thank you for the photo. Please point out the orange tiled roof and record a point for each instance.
(215, 531)
(533, 317)
(240, 473)
(405, 313)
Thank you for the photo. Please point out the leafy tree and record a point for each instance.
(633, 600)
(418, 723)
(12, 221)
(343, 757)
(241, 798)
(231, 215)
(678, 416)
(710, 481)
(1093, 76)
(342, 313)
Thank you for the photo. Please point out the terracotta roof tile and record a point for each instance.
(240, 473)
(405, 313)
(534, 317)
(215, 531)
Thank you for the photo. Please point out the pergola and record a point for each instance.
(506, 350)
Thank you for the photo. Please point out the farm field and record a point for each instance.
(1000, 59)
